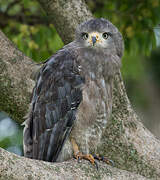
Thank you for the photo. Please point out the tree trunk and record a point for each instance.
(126, 140)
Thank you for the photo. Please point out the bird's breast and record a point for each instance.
(92, 115)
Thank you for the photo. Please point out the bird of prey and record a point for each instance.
(72, 98)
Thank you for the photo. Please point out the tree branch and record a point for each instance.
(15, 82)
(15, 167)
(66, 16)
(30, 20)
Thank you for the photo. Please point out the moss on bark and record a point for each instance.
(9, 98)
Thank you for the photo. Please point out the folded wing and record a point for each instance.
(56, 97)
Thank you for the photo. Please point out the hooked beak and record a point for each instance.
(94, 39)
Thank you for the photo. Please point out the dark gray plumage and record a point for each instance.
(73, 92)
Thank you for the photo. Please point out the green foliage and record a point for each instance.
(37, 42)
(29, 29)
(154, 65)
(10, 133)
(15, 140)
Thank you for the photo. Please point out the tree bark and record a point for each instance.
(66, 16)
(15, 79)
(14, 167)
(126, 140)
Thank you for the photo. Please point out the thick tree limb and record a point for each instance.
(15, 82)
(126, 141)
(15, 167)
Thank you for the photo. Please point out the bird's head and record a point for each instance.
(99, 34)
(95, 39)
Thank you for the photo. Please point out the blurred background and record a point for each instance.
(25, 23)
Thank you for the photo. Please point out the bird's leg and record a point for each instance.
(104, 159)
(78, 155)
(75, 148)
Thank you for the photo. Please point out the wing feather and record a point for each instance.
(55, 100)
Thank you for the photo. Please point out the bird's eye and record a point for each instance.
(105, 35)
(84, 36)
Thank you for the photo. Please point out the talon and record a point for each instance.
(78, 156)
(108, 161)
(78, 159)
(104, 159)
(112, 162)
(96, 164)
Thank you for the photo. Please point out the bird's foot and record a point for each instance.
(78, 155)
(92, 158)
(104, 159)
(88, 157)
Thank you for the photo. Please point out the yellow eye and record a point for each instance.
(85, 36)
(105, 35)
